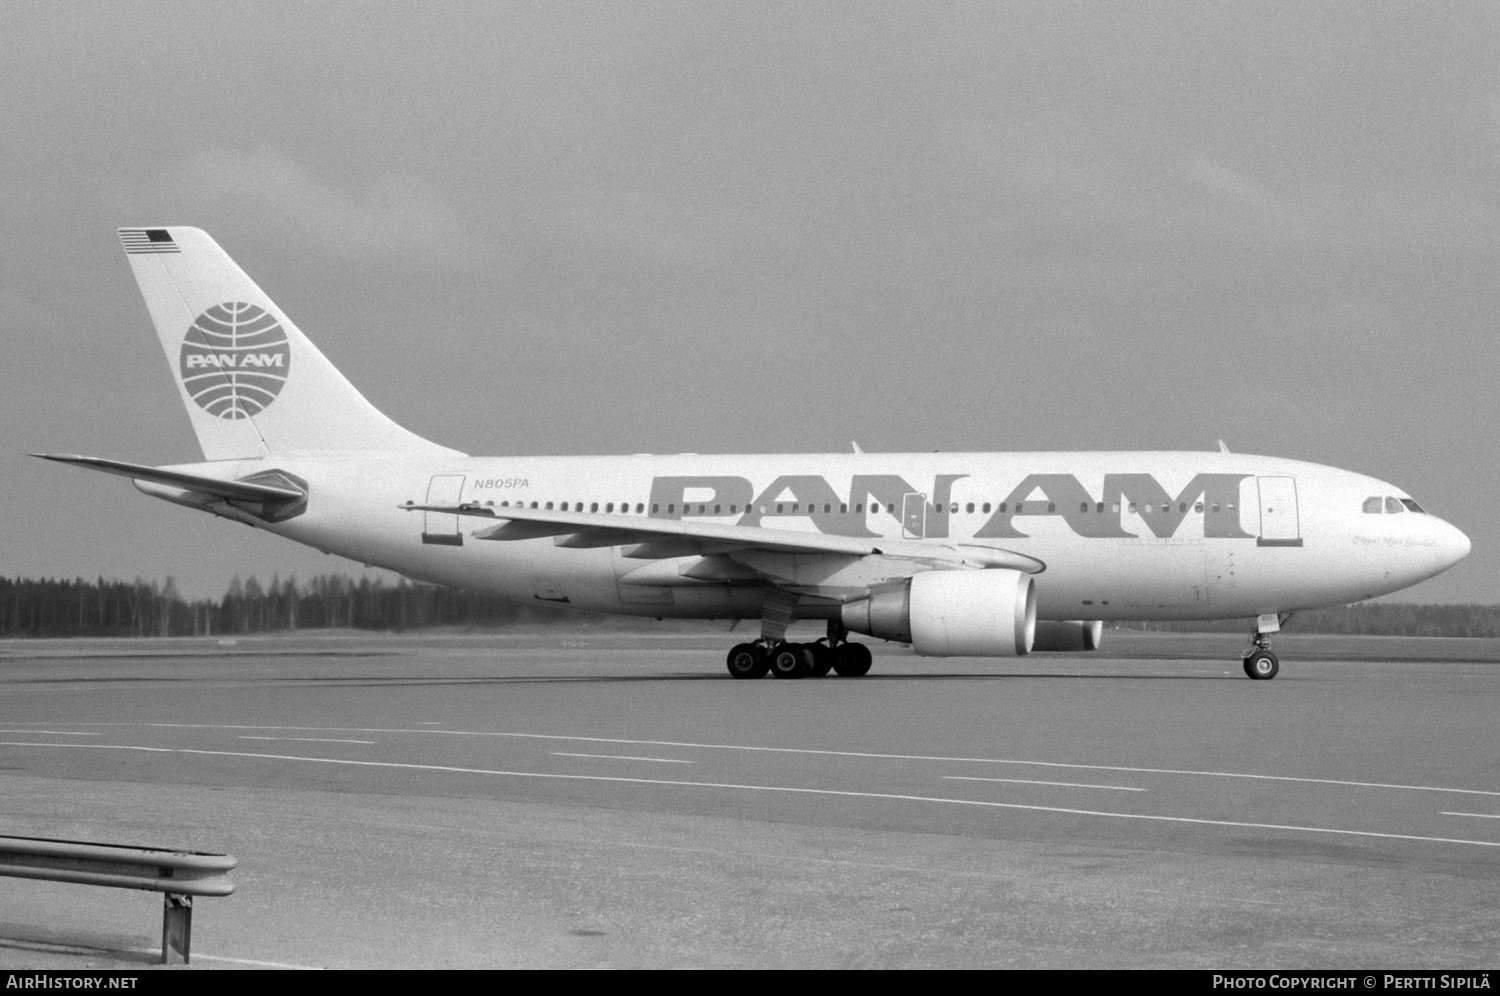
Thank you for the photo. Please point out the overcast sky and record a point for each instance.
(627, 227)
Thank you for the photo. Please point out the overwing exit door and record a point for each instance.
(438, 527)
(1279, 525)
(914, 516)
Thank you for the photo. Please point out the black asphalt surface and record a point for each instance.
(582, 798)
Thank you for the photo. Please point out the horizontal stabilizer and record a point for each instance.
(236, 490)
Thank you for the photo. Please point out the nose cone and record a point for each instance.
(1452, 544)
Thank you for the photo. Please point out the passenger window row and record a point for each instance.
(795, 508)
(1376, 505)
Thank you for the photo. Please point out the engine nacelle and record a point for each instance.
(988, 613)
(1068, 634)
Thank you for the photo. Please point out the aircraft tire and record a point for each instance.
(1262, 665)
(852, 660)
(791, 660)
(746, 660)
(824, 657)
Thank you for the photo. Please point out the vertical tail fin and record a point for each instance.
(252, 383)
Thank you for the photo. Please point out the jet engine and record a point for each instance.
(1068, 634)
(985, 613)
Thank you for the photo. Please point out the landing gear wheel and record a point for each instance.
(823, 659)
(1262, 665)
(852, 660)
(746, 660)
(791, 660)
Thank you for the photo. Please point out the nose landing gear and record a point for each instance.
(1260, 663)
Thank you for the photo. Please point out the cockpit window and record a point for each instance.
(1411, 505)
(1392, 506)
(1372, 505)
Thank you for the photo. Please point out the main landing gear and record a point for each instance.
(801, 660)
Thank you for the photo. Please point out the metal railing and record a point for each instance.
(178, 875)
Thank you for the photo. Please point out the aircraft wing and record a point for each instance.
(235, 490)
(658, 538)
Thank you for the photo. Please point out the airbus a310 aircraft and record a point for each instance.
(967, 554)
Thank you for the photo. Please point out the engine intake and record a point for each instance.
(988, 613)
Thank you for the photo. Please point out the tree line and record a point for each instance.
(40, 608)
(46, 607)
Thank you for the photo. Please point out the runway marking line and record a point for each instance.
(841, 753)
(789, 789)
(55, 733)
(311, 740)
(1029, 781)
(623, 757)
(1482, 816)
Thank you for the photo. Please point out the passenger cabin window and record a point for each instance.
(969, 507)
(610, 507)
(1392, 506)
(1372, 505)
(986, 508)
(640, 507)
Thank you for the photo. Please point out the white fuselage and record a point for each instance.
(1123, 535)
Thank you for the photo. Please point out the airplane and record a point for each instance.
(954, 554)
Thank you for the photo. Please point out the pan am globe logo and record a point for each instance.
(235, 359)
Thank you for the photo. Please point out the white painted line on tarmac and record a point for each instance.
(623, 757)
(198, 956)
(311, 740)
(839, 753)
(789, 789)
(1482, 816)
(832, 753)
(1028, 781)
(55, 733)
